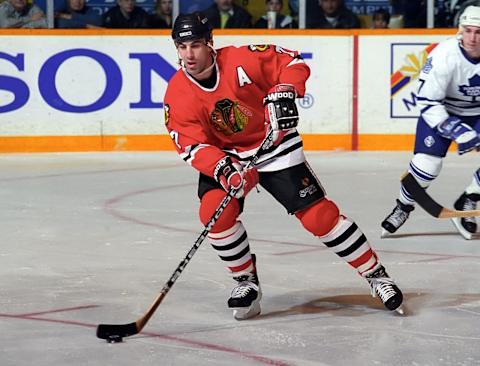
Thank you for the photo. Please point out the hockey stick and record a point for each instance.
(115, 332)
(426, 202)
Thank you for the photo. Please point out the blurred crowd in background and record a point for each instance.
(273, 14)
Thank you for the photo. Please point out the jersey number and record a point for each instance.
(279, 49)
(174, 136)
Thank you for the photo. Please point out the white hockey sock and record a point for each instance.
(474, 186)
(424, 168)
(350, 244)
(233, 248)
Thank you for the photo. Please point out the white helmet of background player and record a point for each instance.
(470, 16)
(469, 31)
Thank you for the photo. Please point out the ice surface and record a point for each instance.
(92, 237)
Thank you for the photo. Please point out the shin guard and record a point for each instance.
(320, 218)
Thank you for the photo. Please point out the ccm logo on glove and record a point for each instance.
(272, 97)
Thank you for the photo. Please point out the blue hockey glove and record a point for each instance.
(465, 136)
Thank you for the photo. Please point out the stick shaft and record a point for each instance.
(426, 202)
(106, 330)
(221, 207)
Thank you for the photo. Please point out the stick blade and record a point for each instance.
(108, 331)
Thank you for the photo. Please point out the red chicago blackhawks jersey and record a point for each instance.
(207, 123)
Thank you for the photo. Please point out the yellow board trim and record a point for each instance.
(23, 144)
(312, 142)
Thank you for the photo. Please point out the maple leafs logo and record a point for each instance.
(473, 87)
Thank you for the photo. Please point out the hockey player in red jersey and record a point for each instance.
(217, 107)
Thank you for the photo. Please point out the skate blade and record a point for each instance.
(385, 234)
(400, 310)
(458, 225)
(246, 313)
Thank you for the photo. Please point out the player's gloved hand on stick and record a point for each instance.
(230, 174)
(465, 136)
(280, 110)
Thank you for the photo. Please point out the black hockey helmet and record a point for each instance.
(189, 27)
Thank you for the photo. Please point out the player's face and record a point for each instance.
(471, 40)
(196, 56)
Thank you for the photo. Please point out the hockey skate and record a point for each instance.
(396, 218)
(385, 288)
(245, 297)
(466, 226)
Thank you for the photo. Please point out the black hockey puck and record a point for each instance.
(114, 339)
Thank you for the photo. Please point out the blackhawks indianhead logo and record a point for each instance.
(258, 47)
(229, 117)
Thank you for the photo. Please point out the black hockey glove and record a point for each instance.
(280, 110)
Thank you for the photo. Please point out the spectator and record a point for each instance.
(225, 14)
(334, 14)
(380, 19)
(126, 14)
(58, 5)
(281, 21)
(293, 5)
(20, 14)
(162, 16)
(78, 15)
(414, 12)
(190, 6)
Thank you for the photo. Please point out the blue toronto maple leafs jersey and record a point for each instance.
(449, 84)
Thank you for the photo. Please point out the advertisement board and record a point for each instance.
(388, 76)
(110, 85)
(115, 85)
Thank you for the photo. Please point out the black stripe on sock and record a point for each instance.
(233, 245)
(236, 256)
(344, 236)
(357, 244)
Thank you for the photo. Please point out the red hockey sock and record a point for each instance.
(233, 249)
(228, 236)
(340, 234)
(350, 244)
(209, 204)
